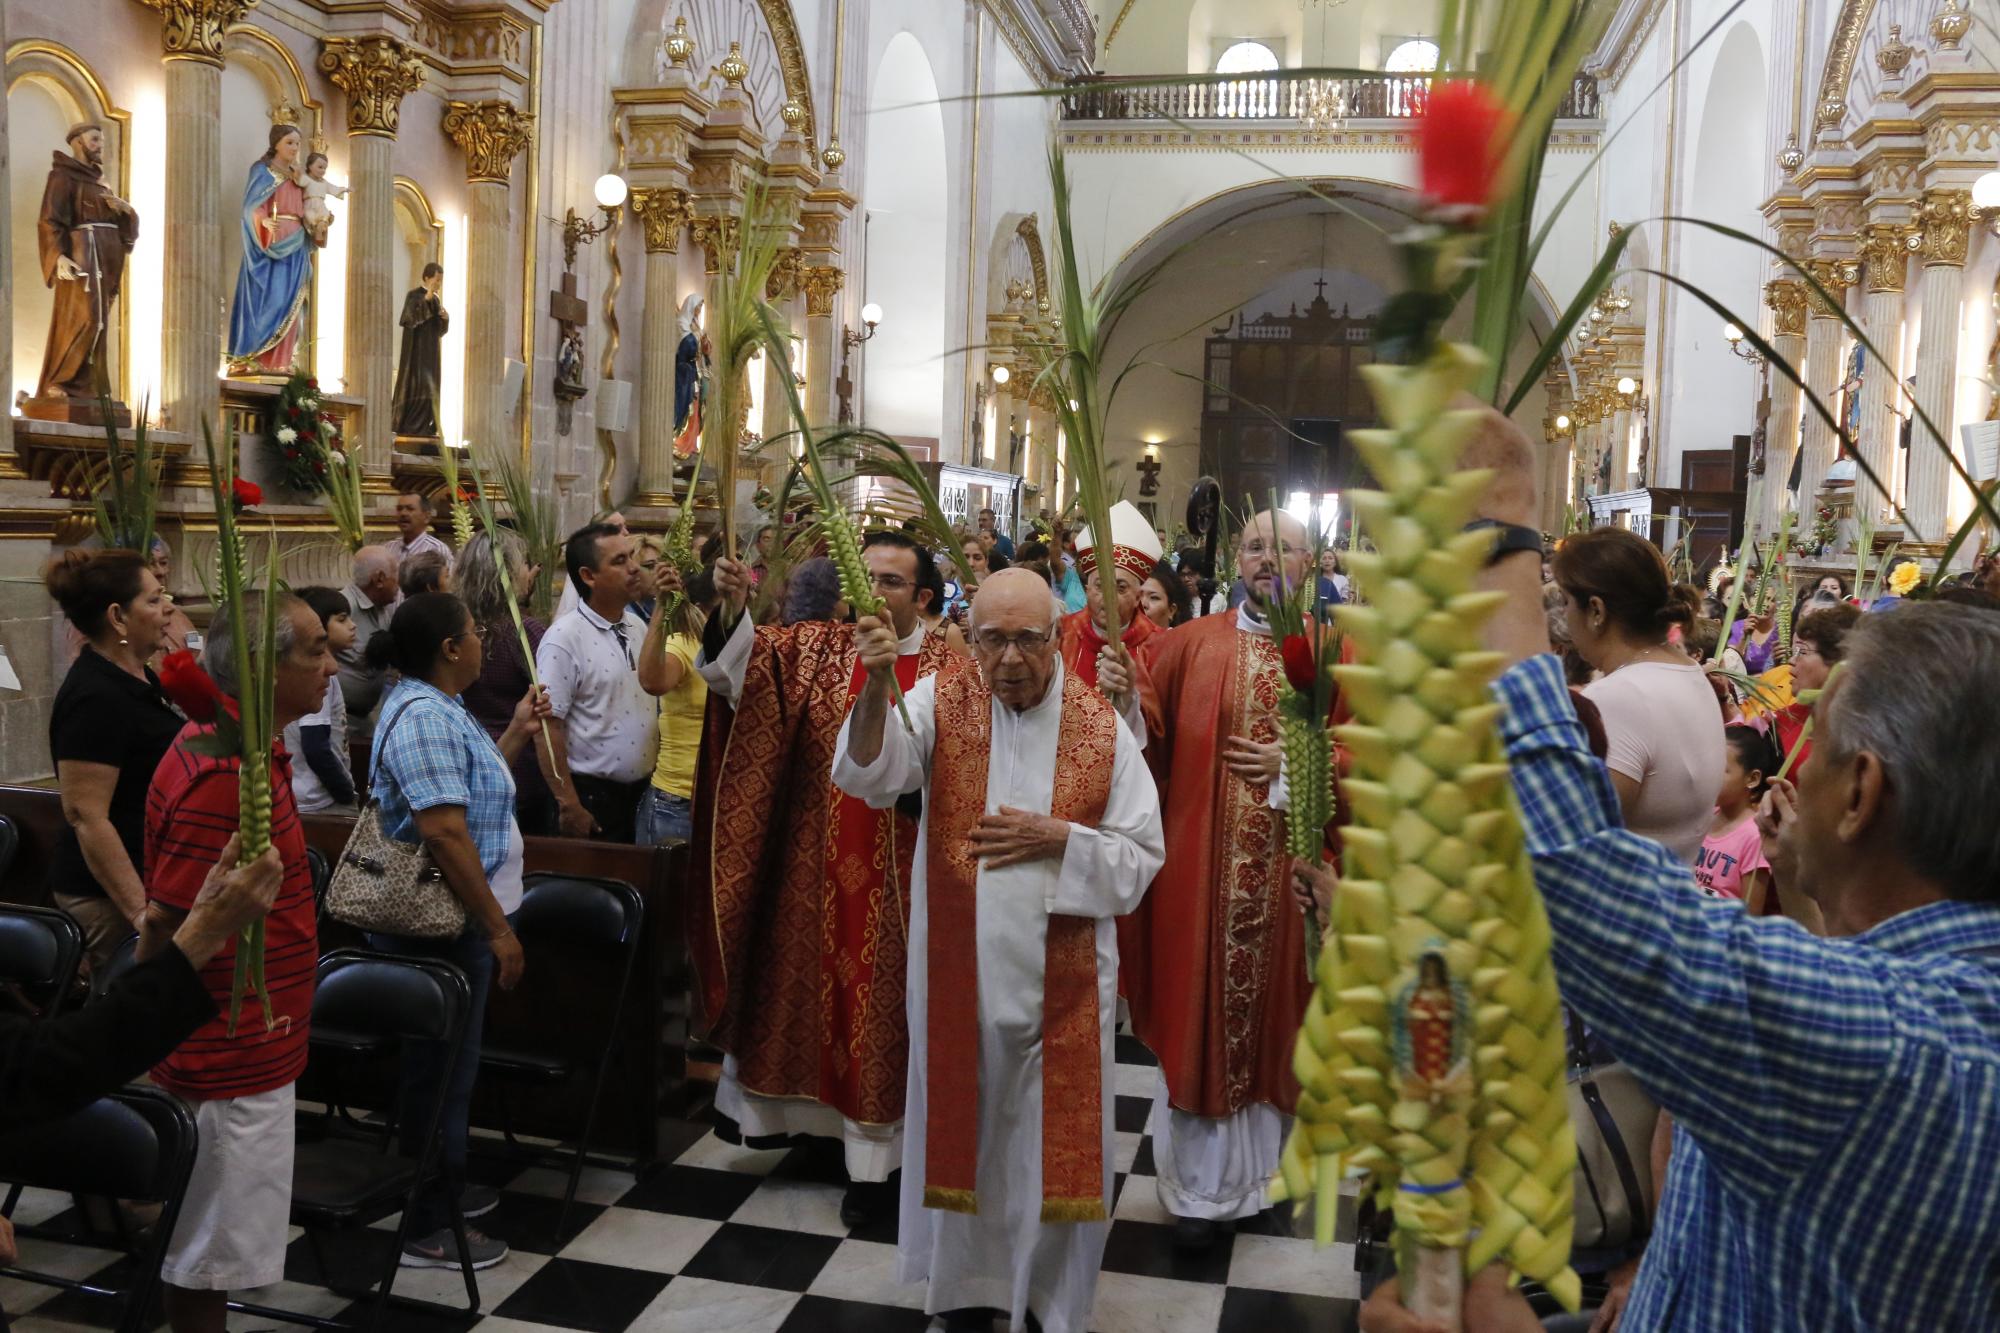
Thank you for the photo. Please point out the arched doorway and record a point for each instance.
(903, 380)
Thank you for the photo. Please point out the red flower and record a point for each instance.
(311, 383)
(190, 688)
(247, 493)
(319, 467)
(1461, 139)
(1300, 668)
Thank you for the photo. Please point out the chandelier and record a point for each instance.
(1323, 109)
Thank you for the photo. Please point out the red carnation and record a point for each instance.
(1300, 668)
(319, 466)
(247, 493)
(311, 383)
(1461, 139)
(190, 688)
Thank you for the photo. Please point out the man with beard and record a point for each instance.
(1214, 959)
(85, 232)
(799, 929)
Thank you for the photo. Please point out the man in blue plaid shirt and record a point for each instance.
(1836, 1101)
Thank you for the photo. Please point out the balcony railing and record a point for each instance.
(1276, 97)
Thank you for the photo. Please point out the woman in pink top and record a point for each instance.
(1731, 862)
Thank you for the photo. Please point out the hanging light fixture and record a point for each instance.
(1323, 109)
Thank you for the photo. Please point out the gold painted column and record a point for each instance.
(1825, 337)
(821, 283)
(376, 73)
(663, 213)
(1885, 263)
(490, 134)
(193, 302)
(1787, 299)
(1946, 217)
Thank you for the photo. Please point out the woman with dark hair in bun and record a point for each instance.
(1662, 728)
(109, 726)
(439, 779)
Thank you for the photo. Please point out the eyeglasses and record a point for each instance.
(889, 582)
(1800, 648)
(476, 632)
(1027, 644)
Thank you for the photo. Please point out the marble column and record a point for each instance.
(193, 302)
(490, 134)
(1885, 262)
(376, 73)
(1787, 299)
(1621, 443)
(1946, 216)
(1825, 337)
(821, 283)
(663, 214)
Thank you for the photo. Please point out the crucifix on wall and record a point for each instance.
(571, 313)
(1149, 475)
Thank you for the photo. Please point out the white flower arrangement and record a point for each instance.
(286, 435)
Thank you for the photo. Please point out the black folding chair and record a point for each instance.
(39, 951)
(322, 875)
(595, 922)
(137, 1144)
(122, 960)
(337, 1184)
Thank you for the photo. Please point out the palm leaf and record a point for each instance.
(736, 331)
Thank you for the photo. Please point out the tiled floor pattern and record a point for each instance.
(725, 1240)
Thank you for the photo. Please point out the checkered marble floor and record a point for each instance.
(722, 1239)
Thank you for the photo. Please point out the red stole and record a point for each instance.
(1082, 641)
(1072, 1073)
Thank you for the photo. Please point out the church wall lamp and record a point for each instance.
(577, 232)
(1986, 199)
(1740, 346)
(871, 319)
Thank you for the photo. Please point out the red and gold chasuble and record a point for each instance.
(1212, 963)
(1072, 1072)
(1082, 641)
(799, 900)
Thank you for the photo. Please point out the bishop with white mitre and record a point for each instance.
(1041, 823)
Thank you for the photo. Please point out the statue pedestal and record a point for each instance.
(77, 411)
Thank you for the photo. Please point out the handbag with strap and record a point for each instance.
(1613, 1119)
(387, 886)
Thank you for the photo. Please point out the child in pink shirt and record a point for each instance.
(1731, 862)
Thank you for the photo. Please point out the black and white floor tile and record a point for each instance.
(722, 1239)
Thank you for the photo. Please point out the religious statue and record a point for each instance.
(277, 262)
(419, 371)
(318, 189)
(85, 232)
(1430, 1034)
(691, 371)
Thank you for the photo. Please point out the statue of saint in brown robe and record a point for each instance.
(85, 232)
(419, 371)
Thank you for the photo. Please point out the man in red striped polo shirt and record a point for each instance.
(232, 1228)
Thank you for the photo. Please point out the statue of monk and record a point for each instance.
(85, 232)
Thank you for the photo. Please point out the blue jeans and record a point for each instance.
(423, 1065)
(664, 818)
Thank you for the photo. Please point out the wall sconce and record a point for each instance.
(1001, 374)
(1562, 423)
(577, 232)
(871, 319)
(1986, 199)
(1734, 337)
(843, 384)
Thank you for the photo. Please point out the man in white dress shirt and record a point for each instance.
(1041, 823)
(413, 530)
(604, 728)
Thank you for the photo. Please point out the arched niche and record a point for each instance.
(419, 239)
(1018, 269)
(49, 88)
(905, 268)
(263, 85)
(768, 35)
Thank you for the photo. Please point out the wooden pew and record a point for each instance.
(557, 1003)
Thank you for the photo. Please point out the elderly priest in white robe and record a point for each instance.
(1041, 823)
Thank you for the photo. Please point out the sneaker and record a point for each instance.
(478, 1200)
(440, 1250)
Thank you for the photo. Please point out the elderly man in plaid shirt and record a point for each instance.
(1836, 1101)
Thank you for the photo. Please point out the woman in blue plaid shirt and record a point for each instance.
(441, 780)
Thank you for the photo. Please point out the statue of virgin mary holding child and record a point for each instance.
(277, 262)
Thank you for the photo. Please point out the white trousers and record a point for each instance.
(1214, 1169)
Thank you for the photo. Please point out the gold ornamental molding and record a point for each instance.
(716, 236)
(1963, 135)
(1946, 219)
(792, 63)
(1846, 44)
(1836, 275)
(1885, 256)
(192, 29)
(1787, 299)
(820, 283)
(1356, 141)
(490, 40)
(490, 134)
(1030, 232)
(664, 212)
(785, 276)
(376, 73)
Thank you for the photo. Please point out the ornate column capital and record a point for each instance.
(490, 134)
(716, 236)
(663, 211)
(376, 73)
(1836, 275)
(820, 282)
(192, 29)
(1787, 299)
(785, 275)
(1946, 219)
(1885, 256)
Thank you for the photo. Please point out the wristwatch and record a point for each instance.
(1512, 538)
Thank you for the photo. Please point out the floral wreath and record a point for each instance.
(301, 434)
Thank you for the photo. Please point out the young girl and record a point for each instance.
(1731, 862)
